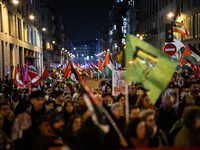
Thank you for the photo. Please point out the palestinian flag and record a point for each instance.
(57, 74)
(100, 65)
(69, 74)
(191, 54)
(45, 76)
(98, 114)
(108, 66)
(86, 65)
(180, 28)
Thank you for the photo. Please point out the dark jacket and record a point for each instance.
(111, 140)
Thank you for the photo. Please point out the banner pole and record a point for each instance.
(127, 103)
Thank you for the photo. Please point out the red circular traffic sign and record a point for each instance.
(170, 49)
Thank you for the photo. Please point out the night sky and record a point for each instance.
(84, 19)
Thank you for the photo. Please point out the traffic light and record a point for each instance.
(169, 32)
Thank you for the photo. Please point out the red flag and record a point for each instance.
(101, 65)
(68, 69)
(86, 65)
(97, 63)
(17, 82)
(121, 68)
(93, 64)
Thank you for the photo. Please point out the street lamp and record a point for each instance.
(53, 42)
(138, 35)
(170, 15)
(108, 50)
(15, 1)
(31, 17)
(44, 29)
(63, 49)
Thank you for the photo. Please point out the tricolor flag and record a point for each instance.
(191, 54)
(180, 28)
(86, 65)
(108, 66)
(69, 74)
(100, 65)
(45, 76)
(149, 66)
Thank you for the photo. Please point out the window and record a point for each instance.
(35, 38)
(32, 36)
(1, 25)
(115, 27)
(82, 55)
(29, 34)
(10, 23)
(19, 29)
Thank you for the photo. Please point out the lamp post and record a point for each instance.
(15, 2)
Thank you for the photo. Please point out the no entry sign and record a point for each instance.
(170, 49)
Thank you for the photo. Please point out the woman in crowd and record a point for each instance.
(143, 102)
(68, 110)
(157, 136)
(136, 134)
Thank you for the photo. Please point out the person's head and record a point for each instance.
(1, 120)
(194, 87)
(136, 129)
(69, 107)
(48, 90)
(143, 101)
(46, 84)
(149, 117)
(117, 110)
(62, 84)
(121, 99)
(37, 99)
(15, 95)
(50, 103)
(186, 87)
(56, 122)
(42, 83)
(180, 80)
(60, 96)
(99, 99)
(68, 87)
(68, 98)
(191, 118)
(25, 96)
(75, 98)
(74, 124)
(81, 100)
(4, 109)
(108, 99)
(108, 88)
(167, 102)
(175, 94)
(134, 112)
(43, 125)
(132, 89)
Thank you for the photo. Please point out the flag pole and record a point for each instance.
(127, 103)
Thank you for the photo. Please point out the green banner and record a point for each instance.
(147, 65)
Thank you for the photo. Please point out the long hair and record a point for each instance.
(140, 99)
(71, 121)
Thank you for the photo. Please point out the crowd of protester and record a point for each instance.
(55, 116)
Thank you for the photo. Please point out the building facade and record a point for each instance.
(20, 35)
(56, 43)
(84, 51)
